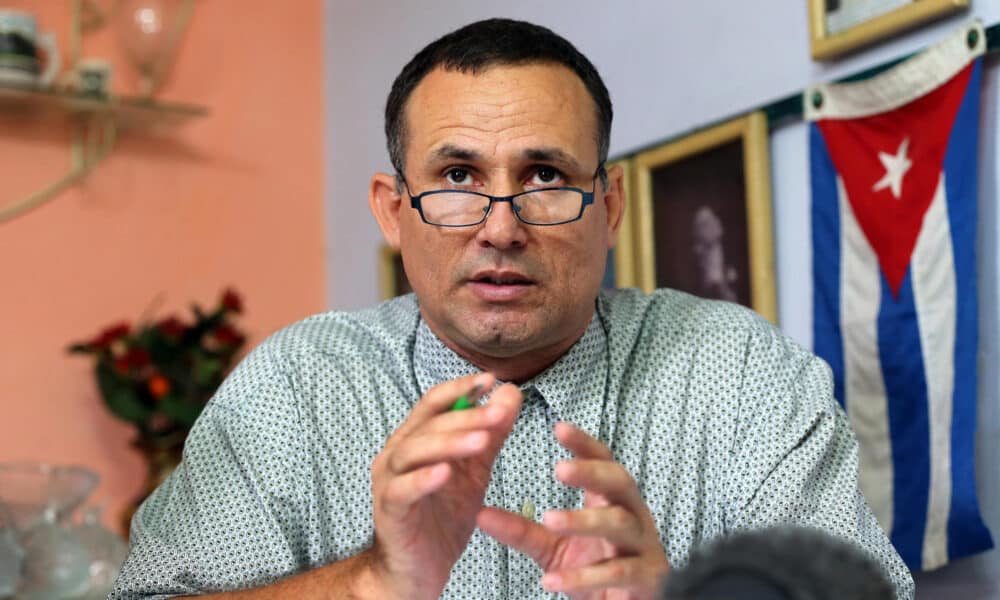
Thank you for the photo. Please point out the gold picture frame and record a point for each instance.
(731, 159)
(392, 276)
(826, 44)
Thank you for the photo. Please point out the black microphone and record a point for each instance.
(779, 563)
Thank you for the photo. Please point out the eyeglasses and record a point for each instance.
(461, 208)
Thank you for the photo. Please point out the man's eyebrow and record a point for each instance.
(452, 152)
(552, 155)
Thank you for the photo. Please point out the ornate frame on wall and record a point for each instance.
(636, 255)
(826, 45)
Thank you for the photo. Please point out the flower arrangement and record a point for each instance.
(160, 375)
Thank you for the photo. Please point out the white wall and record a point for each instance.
(670, 67)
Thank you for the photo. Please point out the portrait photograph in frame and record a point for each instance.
(392, 276)
(837, 27)
(701, 217)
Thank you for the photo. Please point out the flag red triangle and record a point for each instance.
(912, 139)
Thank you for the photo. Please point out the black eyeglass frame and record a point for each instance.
(588, 199)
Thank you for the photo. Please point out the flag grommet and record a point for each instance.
(972, 38)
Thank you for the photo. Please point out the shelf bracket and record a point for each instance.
(93, 139)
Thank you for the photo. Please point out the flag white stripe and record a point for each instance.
(934, 293)
(864, 389)
(899, 85)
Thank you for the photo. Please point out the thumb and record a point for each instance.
(509, 399)
(515, 531)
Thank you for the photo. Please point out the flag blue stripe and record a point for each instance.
(966, 532)
(828, 343)
(909, 429)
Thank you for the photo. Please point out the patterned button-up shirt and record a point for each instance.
(724, 422)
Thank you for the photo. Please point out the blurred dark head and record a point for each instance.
(782, 563)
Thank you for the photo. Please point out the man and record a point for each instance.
(630, 427)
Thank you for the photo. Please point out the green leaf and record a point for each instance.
(207, 370)
(125, 404)
(107, 380)
(119, 395)
(184, 413)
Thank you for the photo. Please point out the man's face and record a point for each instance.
(504, 289)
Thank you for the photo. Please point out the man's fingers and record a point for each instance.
(519, 533)
(580, 443)
(485, 429)
(497, 413)
(622, 573)
(440, 399)
(402, 491)
(510, 399)
(608, 479)
(483, 416)
(613, 523)
(421, 450)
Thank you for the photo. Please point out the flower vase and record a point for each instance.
(161, 460)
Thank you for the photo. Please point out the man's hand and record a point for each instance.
(608, 550)
(429, 481)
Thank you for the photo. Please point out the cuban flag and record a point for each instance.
(893, 177)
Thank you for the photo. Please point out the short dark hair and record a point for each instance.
(785, 562)
(484, 44)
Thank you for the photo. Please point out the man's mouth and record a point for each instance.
(504, 280)
(501, 286)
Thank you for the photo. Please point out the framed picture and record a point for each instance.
(840, 26)
(701, 217)
(392, 277)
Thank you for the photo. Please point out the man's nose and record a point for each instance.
(502, 229)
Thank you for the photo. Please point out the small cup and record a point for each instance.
(93, 77)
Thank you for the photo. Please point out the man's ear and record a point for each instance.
(385, 202)
(614, 202)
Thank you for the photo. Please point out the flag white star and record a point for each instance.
(896, 166)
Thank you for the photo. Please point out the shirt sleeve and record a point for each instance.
(229, 515)
(807, 472)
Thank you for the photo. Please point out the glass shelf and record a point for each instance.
(128, 112)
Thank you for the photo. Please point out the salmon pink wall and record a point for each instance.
(235, 198)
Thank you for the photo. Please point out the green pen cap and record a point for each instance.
(462, 403)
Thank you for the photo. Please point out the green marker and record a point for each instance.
(462, 403)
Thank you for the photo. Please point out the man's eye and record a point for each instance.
(458, 177)
(546, 176)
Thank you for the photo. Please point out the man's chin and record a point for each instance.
(500, 335)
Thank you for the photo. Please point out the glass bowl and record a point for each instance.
(29, 489)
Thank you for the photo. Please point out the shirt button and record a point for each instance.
(528, 510)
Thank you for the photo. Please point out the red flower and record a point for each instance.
(232, 301)
(159, 386)
(110, 336)
(227, 336)
(134, 358)
(137, 357)
(172, 327)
